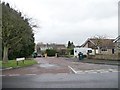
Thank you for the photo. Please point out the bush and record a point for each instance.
(50, 52)
(70, 51)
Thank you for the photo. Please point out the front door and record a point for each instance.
(113, 51)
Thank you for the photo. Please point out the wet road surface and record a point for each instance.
(61, 73)
(93, 80)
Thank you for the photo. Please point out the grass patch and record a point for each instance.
(0, 63)
(13, 63)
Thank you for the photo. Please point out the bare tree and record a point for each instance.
(99, 39)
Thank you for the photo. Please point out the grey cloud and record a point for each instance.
(77, 10)
(75, 20)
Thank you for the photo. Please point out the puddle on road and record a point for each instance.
(48, 65)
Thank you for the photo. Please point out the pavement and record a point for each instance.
(95, 61)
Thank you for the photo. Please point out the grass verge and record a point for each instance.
(0, 63)
(13, 63)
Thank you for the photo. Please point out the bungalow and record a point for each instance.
(100, 46)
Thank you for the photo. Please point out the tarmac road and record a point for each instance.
(61, 80)
(61, 73)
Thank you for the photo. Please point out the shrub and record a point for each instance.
(50, 52)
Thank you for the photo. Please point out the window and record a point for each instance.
(75, 51)
(104, 49)
(89, 51)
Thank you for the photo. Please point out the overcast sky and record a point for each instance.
(74, 20)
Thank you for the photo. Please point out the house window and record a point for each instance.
(89, 51)
(104, 49)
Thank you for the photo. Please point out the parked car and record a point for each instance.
(39, 55)
(34, 55)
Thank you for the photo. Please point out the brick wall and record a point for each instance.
(105, 57)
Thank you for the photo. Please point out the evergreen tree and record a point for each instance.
(69, 44)
(70, 48)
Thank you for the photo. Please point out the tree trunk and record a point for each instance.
(5, 54)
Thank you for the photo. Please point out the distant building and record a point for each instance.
(59, 46)
(42, 47)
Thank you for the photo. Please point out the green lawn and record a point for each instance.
(13, 63)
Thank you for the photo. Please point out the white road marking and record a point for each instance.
(80, 72)
(116, 71)
(18, 75)
(90, 71)
(14, 75)
(30, 74)
(112, 70)
(2, 75)
(76, 72)
(93, 71)
(72, 69)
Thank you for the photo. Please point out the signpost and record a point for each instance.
(20, 59)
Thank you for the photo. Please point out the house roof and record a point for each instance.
(117, 39)
(78, 46)
(51, 45)
(60, 46)
(102, 43)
